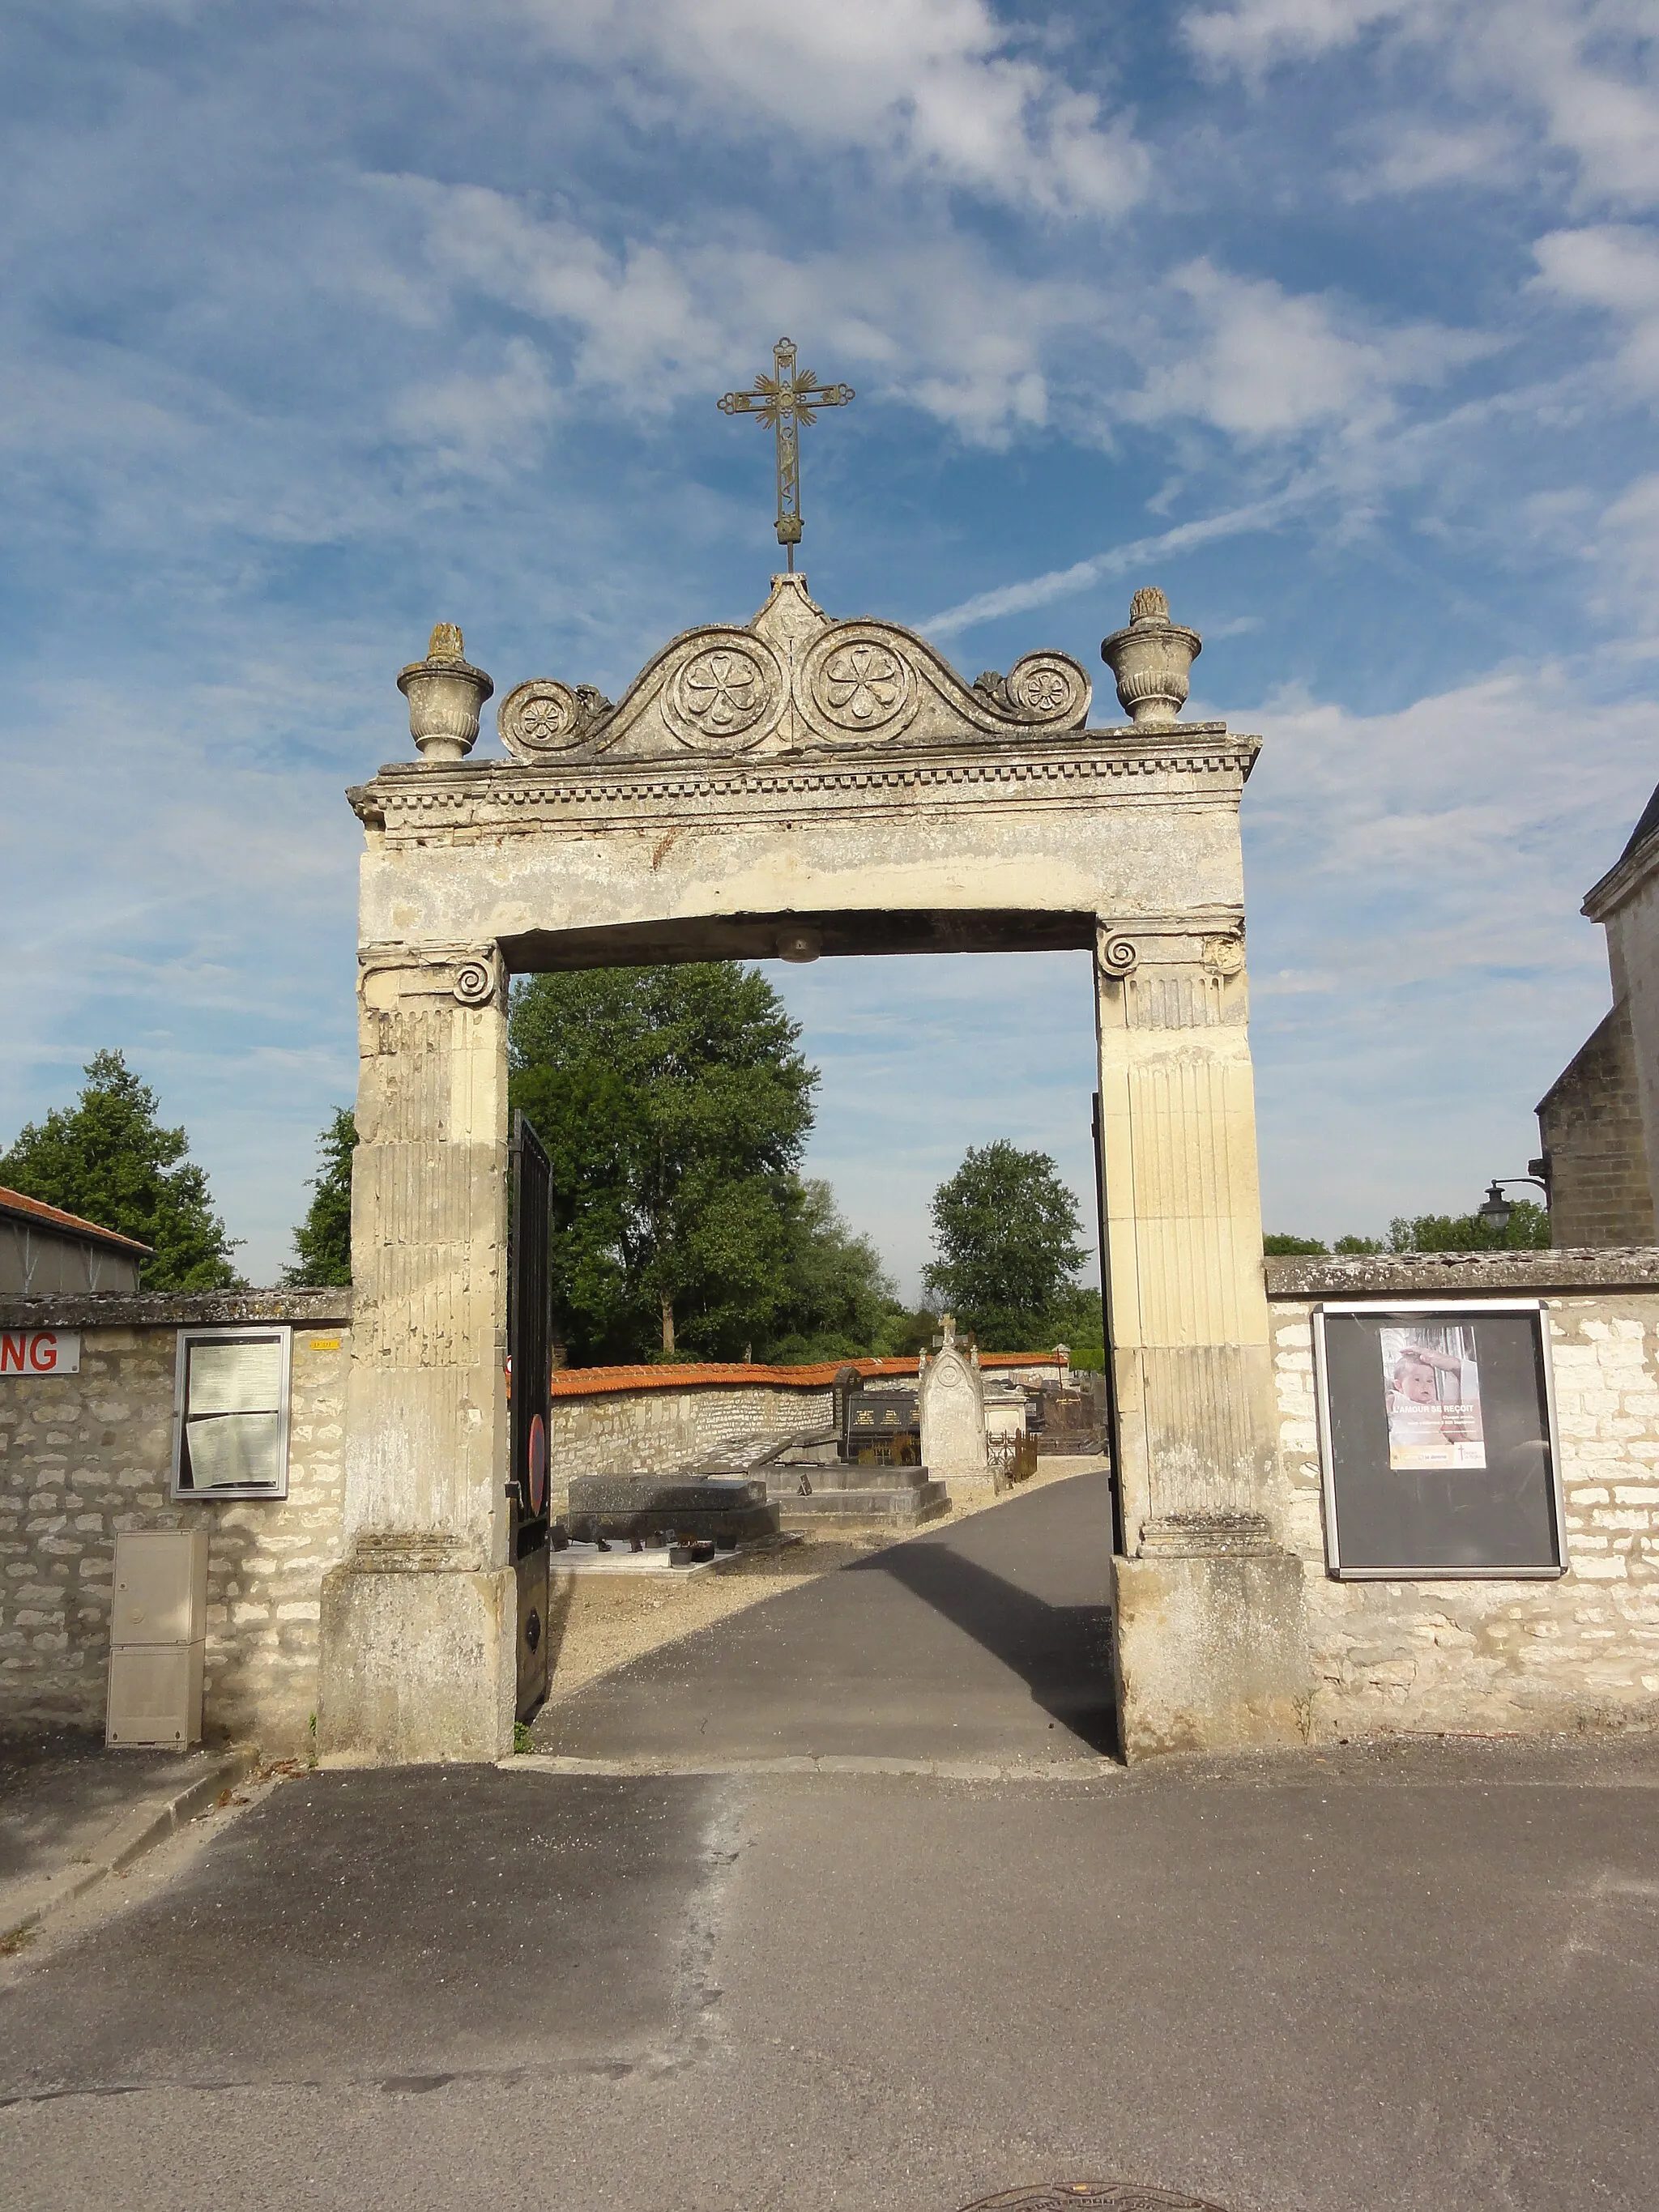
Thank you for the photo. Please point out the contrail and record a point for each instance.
(1059, 583)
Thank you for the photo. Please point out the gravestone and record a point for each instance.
(729, 1510)
(953, 1440)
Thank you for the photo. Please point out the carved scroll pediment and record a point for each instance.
(793, 681)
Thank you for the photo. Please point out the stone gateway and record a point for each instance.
(796, 787)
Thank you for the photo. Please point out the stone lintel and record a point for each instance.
(1462, 1275)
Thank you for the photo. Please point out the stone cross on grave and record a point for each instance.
(784, 401)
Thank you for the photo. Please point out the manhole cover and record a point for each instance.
(1068, 2195)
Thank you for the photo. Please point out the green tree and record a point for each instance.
(841, 1299)
(322, 1242)
(1528, 1230)
(674, 1105)
(1285, 1247)
(1005, 1230)
(106, 1159)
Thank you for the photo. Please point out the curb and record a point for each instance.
(932, 1769)
(149, 1824)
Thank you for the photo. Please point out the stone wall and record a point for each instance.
(1589, 1123)
(1522, 1657)
(84, 1457)
(650, 1420)
(651, 1430)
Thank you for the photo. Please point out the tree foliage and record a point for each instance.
(674, 1105)
(1006, 1231)
(108, 1159)
(322, 1242)
(1528, 1230)
(840, 1301)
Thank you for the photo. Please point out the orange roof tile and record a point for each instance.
(817, 1375)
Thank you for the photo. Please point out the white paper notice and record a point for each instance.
(1432, 1387)
(238, 1375)
(234, 1451)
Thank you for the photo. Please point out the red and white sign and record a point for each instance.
(40, 1351)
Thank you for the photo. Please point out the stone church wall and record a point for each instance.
(1507, 1657)
(1589, 1123)
(86, 1456)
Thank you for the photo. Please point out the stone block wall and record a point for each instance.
(1525, 1657)
(1589, 1123)
(84, 1457)
(651, 1430)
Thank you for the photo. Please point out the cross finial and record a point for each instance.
(784, 401)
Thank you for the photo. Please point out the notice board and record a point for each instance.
(1437, 1441)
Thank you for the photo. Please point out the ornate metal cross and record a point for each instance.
(785, 401)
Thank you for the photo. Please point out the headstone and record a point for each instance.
(729, 1511)
(953, 1443)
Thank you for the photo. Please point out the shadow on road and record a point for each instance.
(1062, 1653)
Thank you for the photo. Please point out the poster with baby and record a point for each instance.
(1432, 1387)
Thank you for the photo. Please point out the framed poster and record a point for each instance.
(230, 1405)
(1437, 1441)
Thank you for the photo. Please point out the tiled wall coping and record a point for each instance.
(604, 1381)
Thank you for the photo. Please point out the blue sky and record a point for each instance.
(1338, 319)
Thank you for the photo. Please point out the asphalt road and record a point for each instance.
(1418, 1979)
(986, 1639)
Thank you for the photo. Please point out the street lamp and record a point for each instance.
(1497, 1212)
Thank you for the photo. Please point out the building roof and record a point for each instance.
(41, 1216)
(817, 1375)
(1645, 827)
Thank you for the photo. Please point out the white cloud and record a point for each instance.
(1413, 157)
(1252, 35)
(1627, 548)
(928, 86)
(1260, 363)
(486, 421)
(1585, 68)
(1452, 817)
(1614, 267)
(936, 321)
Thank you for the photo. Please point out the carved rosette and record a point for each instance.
(544, 718)
(725, 694)
(1044, 691)
(857, 686)
(1224, 955)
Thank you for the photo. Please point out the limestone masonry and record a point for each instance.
(83, 1457)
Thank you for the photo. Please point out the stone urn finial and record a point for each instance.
(1150, 660)
(445, 693)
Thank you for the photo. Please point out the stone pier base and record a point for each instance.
(1211, 1652)
(417, 1667)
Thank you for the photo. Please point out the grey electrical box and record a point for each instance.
(160, 1587)
(155, 1696)
(158, 1636)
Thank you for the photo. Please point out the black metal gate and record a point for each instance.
(529, 1339)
